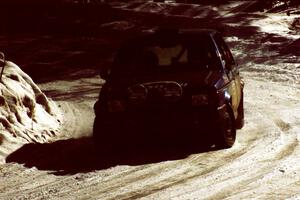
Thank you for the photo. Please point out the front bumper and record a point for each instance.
(153, 126)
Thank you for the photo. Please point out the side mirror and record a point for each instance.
(104, 73)
(2, 64)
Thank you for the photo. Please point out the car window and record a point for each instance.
(167, 55)
(226, 55)
(156, 56)
(200, 55)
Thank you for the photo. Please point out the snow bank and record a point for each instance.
(26, 114)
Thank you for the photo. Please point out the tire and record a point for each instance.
(102, 143)
(96, 135)
(239, 122)
(227, 132)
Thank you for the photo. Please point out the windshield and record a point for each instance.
(171, 54)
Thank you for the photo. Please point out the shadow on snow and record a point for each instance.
(78, 156)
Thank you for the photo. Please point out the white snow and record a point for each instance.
(26, 114)
(278, 24)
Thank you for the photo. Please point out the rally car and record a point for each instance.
(170, 86)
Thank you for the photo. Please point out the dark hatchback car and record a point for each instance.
(170, 87)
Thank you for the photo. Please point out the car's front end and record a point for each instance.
(171, 90)
(159, 111)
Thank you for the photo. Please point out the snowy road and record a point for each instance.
(263, 163)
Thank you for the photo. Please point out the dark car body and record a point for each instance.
(174, 85)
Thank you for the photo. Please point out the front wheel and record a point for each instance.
(102, 137)
(227, 132)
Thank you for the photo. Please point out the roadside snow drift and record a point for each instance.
(26, 115)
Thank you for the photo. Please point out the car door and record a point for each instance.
(231, 70)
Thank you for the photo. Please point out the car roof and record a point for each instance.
(166, 33)
(196, 31)
(182, 32)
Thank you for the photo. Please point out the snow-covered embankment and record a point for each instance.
(26, 114)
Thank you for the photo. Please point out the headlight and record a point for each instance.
(200, 100)
(137, 92)
(172, 91)
(115, 106)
